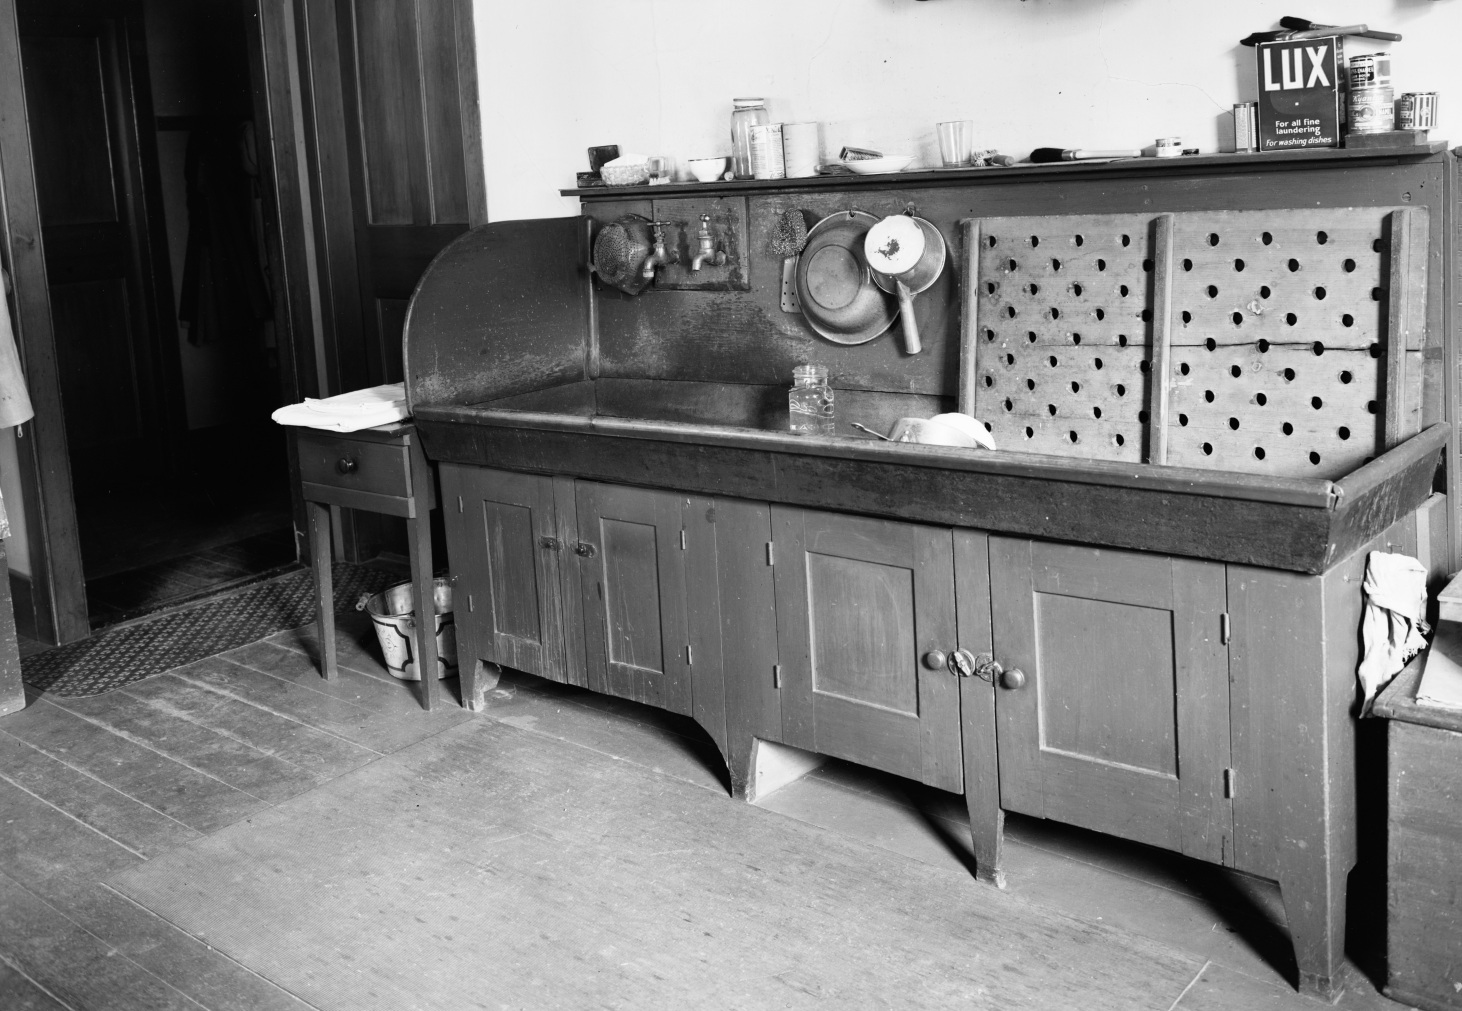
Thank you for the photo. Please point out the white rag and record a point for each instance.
(348, 412)
(1393, 624)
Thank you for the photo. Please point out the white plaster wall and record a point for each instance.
(657, 76)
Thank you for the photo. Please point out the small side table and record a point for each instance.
(1423, 847)
(380, 470)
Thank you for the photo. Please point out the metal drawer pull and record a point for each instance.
(346, 465)
(551, 543)
(584, 549)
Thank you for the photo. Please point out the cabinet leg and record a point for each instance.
(987, 832)
(1314, 905)
(324, 592)
(424, 644)
(478, 678)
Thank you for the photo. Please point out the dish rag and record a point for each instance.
(1392, 625)
(348, 412)
(15, 406)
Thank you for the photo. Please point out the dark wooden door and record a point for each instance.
(89, 110)
(508, 553)
(859, 603)
(1121, 724)
(632, 565)
(398, 151)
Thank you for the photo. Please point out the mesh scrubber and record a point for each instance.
(789, 234)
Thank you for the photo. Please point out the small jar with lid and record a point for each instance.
(810, 402)
(745, 114)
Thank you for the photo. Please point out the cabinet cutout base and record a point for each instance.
(773, 766)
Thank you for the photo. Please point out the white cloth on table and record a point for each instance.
(348, 412)
(1393, 623)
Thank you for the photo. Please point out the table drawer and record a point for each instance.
(338, 461)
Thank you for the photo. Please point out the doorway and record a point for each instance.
(151, 215)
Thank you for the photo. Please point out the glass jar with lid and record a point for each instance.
(745, 113)
(810, 402)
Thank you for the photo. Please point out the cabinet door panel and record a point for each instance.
(1121, 725)
(633, 592)
(513, 553)
(859, 601)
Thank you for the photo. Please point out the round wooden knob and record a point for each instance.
(346, 465)
(934, 659)
(1012, 679)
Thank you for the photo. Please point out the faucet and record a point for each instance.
(708, 251)
(660, 254)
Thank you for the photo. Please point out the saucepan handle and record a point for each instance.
(906, 312)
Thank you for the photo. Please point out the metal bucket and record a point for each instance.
(395, 621)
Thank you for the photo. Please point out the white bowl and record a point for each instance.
(707, 170)
(878, 166)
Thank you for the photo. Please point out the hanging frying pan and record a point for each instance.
(836, 288)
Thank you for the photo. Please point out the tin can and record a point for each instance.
(1372, 70)
(1168, 147)
(767, 159)
(1416, 110)
(1246, 126)
(1372, 110)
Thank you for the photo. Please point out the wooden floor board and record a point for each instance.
(191, 797)
(387, 696)
(136, 826)
(83, 973)
(52, 854)
(381, 734)
(325, 755)
(197, 747)
(17, 993)
(204, 974)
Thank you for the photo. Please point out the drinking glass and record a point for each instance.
(956, 142)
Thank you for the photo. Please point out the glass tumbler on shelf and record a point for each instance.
(810, 402)
(745, 114)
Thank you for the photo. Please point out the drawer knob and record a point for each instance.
(551, 543)
(934, 659)
(584, 549)
(1012, 679)
(346, 465)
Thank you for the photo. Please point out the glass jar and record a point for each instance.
(745, 113)
(810, 402)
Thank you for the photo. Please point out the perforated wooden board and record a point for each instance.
(1278, 333)
(1061, 353)
(1278, 336)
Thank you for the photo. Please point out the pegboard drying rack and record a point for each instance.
(1290, 339)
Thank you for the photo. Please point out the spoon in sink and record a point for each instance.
(865, 428)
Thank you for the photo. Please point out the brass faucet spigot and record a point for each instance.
(709, 253)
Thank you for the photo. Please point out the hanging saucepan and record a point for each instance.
(835, 285)
(620, 251)
(906, 255)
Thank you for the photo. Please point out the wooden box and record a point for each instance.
(1424, 848)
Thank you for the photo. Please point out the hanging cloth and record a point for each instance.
(1393, 624)
(225, 297)
(15, 406)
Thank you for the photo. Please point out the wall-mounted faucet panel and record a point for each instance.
(703, 231)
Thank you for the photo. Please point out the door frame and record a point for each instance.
(298, 114)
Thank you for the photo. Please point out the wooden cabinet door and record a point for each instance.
(632, 572)
(859, 602)
(508, 547)
(1122, 723)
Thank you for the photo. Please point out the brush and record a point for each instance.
(788, 237)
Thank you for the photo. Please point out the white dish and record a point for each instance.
(878, 166)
